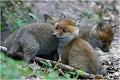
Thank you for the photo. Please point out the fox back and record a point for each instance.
(75, 52)
(33, 39)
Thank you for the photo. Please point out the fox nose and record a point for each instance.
(105, 50)
(54, 35)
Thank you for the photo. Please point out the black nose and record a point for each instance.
(54, 35)
(105, 50)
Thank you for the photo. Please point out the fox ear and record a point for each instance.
(100, 26)
(77, 22)
(62, 16)
(47, 18)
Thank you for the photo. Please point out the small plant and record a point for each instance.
(88, 15)
(100, 15)
(1, 26)
(80, 72)
(16, 14)
(11, 69)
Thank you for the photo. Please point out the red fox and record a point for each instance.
(101, 35)
(33, 39)
(73, 50)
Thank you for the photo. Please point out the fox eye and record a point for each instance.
(64, 30)
(56, 28)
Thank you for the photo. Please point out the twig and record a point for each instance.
(3, 49)
(62, 66)
(62, 73)
(68, 68)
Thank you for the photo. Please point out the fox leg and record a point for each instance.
(58, 63)
(30, 46)
(55, 56)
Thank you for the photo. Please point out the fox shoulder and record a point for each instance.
(81, 55)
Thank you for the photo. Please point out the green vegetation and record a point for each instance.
(100, 15)
(15, 14)
(80, 72)
(88, 15)
(12, 69)
(1, 26)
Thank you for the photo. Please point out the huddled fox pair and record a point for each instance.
(73, 44)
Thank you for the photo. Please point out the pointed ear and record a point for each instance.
(62, 16)
(100, 26)
(77, 22)
(47, 18)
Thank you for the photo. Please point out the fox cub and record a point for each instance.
(33, 39)
(101, 35)
(73, 50)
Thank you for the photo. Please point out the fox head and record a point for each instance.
(66, 29)
(103, 36)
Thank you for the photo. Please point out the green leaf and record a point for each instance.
(20, 23)
(44, 63)
(100, 14)
(80, 72)
(67, 74)
(70, 72)
(33, 16)
(47, 64)
(87, 14)
(1, 26)
(26, 20)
